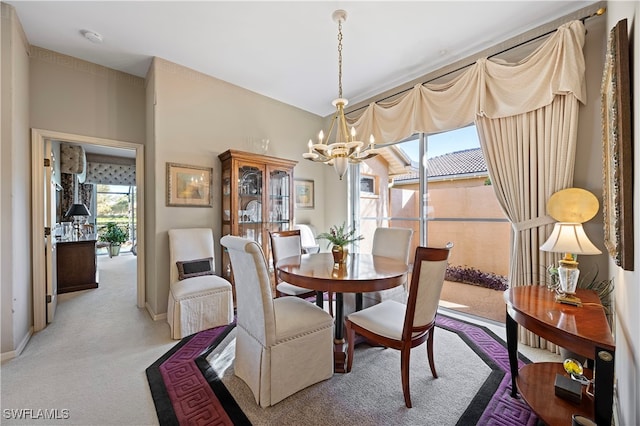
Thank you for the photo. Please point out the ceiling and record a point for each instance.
(286, 50)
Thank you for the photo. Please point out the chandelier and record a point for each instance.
(345, 149)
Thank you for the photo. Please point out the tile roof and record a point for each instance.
(468, 161)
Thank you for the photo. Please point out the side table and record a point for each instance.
(583, 330)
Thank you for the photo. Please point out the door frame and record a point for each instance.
(38, 136)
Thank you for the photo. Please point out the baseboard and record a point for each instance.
(617, 415)
(6, 356)
(153, 315)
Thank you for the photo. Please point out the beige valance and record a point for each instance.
(490, 88)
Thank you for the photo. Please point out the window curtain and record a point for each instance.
(527, 116)
(531, 156)
(111, 174)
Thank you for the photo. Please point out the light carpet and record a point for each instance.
(472, 388)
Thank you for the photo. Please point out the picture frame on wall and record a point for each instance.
(189, 186)
(617, 188)
(304, 194)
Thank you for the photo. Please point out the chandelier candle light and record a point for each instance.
(346, 149)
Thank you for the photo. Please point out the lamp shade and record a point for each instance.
(78, 210)
(569, 238)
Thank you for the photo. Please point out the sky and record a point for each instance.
(443, 143)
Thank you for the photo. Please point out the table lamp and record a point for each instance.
(75, 211)
(570, 207)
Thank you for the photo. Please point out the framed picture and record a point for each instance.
(304, 194)
(189, 186)
(617, 203)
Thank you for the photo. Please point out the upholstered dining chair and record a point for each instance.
(308, 237)
(198, 299)
(283, 345)
(399, 326)
(286, 244)
(394, 243)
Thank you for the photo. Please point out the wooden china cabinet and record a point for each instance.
(257, 197)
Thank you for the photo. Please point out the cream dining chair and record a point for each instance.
(283, 345)
(287, 244)
(399, 326)
(396, 244)
(198, 299)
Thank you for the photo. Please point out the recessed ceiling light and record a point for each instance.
(92, 36)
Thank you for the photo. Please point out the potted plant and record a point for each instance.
(339, 236)
(115, 236)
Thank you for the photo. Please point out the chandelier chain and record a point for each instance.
(340, 59)
(345, 149)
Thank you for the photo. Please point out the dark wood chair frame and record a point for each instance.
(411, 336)
(310, 293)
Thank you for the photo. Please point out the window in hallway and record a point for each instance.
(115, 203)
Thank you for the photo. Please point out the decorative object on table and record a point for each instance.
(617, 147)
(115, 235)
(189, 186)
(345, 149)
(570, 207)
(258, 145)
(568, 389)
(339, 236)
(77, 212)
(304, 193)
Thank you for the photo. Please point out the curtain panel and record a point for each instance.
(526, 114)
(489, 88)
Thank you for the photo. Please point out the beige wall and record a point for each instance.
(15, 186)
(74, 96)
(627, 292)
(197, 117)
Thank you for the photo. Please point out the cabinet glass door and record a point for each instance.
(279, 210)
(250, 199)
(226, 219)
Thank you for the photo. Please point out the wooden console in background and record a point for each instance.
(76, 265)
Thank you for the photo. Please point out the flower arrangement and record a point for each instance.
(339, 236)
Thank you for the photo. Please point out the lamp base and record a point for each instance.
(568, 299)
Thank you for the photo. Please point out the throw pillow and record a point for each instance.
(195, 268)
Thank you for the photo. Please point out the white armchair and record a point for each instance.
(308, 238)
(283, 345)
(198, 299)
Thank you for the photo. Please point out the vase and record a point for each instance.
(339, 254)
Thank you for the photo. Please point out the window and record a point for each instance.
(115, 203)
(368, 185)
(458, 204)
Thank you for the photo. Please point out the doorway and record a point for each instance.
(38, 138)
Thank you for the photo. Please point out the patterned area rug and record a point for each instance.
(186, 390)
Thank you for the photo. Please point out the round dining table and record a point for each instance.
(361, 273)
